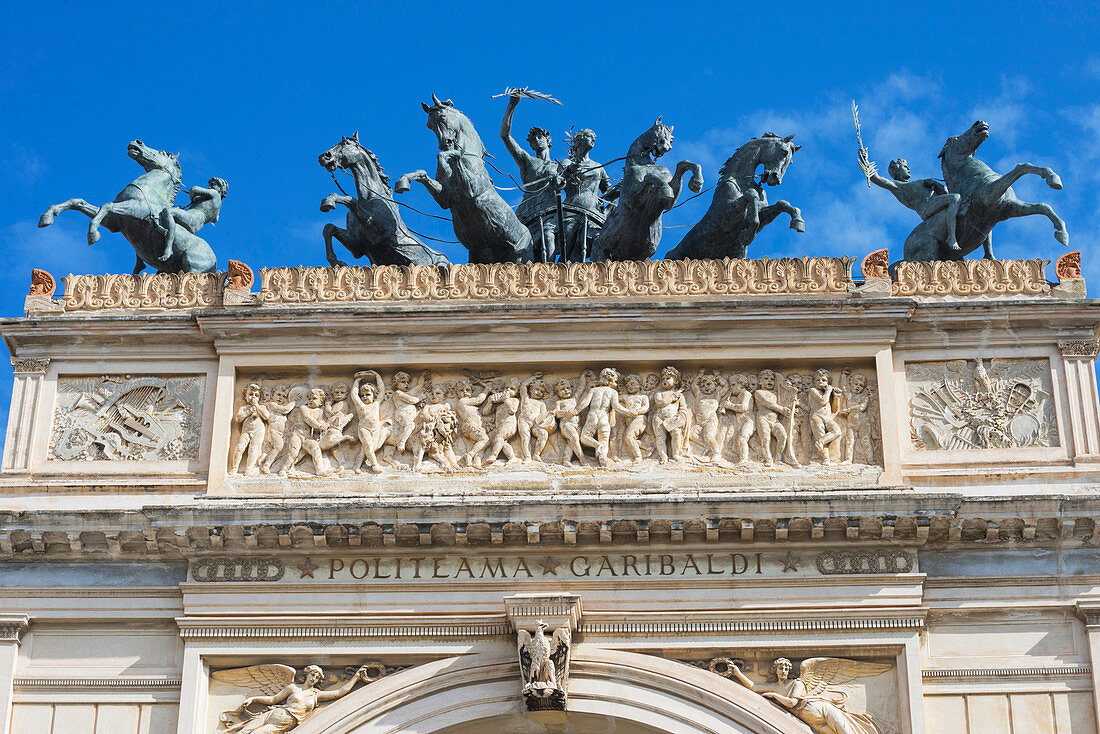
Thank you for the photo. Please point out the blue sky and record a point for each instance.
(253, 92)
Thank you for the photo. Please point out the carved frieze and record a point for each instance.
(965, 405)
(552, 280)
(127, 418)
(971, 278)
(727, 420)
(157, 290)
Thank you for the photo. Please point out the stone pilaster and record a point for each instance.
(12, 628)
(30, 375)
(1079, 365)
(1089, 612)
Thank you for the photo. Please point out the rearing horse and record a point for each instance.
(136, 213)
(987, 198)
(740, 206)
(374, 225)
(633, 228)
(483, 221)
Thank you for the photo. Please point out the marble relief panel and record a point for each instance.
(730, 418)
(968, 405)
(127, 418)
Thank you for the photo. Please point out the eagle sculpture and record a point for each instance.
(544, 664)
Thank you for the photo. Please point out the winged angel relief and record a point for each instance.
(960, 405)
(284, 703)
(544, 664)
(812, 696)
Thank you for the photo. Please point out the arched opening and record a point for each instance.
(610, 692)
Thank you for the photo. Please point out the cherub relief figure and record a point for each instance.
(287, 704)
(366, 400)
(279, 405)
(637, 402)
(707, 390)
(306, 424)
(534, 417)
(470, 424)
(670, 416)
(568, 416)
(438, 430)
(507, 404)
(338, 415)
(810, 697)
(822, 397)
(738, 401)
(252, 416)
(602, 403)
(405, 400)
(769, 423)
(858, 430)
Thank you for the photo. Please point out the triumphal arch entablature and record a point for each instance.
(680, 496)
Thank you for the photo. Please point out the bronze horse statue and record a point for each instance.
(138, 213)
(987, 199)
(739, 208)
(483, 221)
(374, 225)
(632, 230)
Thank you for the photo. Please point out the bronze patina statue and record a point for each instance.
(483, 221)
(162, 235)
(540, 208)
(584, 209)
(740, 206)
(632, 231)
(374, 225)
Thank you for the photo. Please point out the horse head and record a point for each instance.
(655, 142)
(152, 159)
(771, 151)
(965, 145)
(350, 152)
(452, 128)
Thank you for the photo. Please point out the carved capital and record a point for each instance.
(30, 366)
(12, 627)
(1079, 347)
(525, 611)
(1089, 612)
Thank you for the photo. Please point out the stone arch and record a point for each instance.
(651, 693)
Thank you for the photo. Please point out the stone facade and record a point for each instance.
(192, 519)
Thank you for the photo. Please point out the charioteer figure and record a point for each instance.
(540, 174)
(584, 209)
